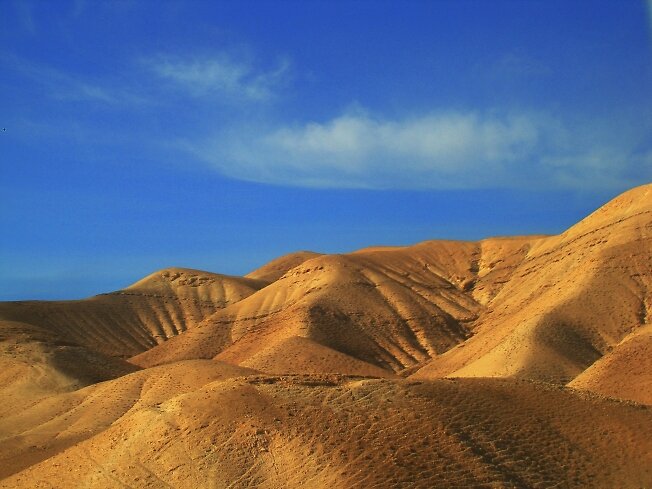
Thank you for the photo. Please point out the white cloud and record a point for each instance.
(434, 142)
(435, 150)
(220, 75)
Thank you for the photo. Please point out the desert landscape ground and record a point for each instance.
(508, 362)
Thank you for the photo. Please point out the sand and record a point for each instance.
(509, 362)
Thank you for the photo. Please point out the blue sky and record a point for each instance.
(219, 135)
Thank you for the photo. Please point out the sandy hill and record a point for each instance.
(327, 431)
(625, 371)
(52, 347)
(275, 269)
(543, 308)
(392, 310)
(572, 299)
(132, 320)
(508, 362)
(42, 428)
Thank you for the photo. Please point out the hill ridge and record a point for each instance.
(517, 361)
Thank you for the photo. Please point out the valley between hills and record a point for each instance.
(511, 362)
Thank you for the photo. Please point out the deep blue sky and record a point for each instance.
(219, 135)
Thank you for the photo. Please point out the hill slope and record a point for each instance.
(572, 299)
(330, 431)
(543, 308)
(393, 308)
(508, 362)
(624, 372)
(132, 320)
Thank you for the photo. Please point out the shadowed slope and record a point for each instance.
(328, 431)
(35, 363)
(48, 348)
(574, 306)
(625, 372)
(297, 354)
(572, 299)
(139, 317)
(388, 308)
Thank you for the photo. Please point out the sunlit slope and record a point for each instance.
(48, 348)
(329, 431)
(46, 426)
(137, 318)
(276, 268)
(571, 300)
(624, 372)
(390, 307)
(393, 308)
(300, 354)
(544, 308)
(291, 377)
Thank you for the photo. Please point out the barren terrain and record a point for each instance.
(508, 362)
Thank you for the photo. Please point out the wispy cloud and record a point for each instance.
(436, 150)
(220, 75)
(65, 86)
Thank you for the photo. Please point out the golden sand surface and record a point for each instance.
(509, 362)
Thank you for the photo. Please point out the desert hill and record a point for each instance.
(393, 308)
(51, 424)
(572, 299)
(624, 372)
(53, 347)
(542, 308)
(278, 267)
(507, 362)
(389, 311)
(338, 432)
(132, 320)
